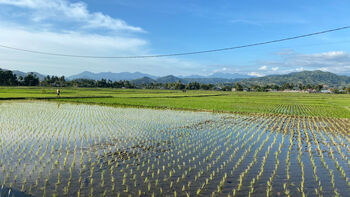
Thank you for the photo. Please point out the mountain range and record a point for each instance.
(137, 75)
(23, 74)
(138, 78)
(111, 76)
(304, 77)
(142, 78)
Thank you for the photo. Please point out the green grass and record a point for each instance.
(327, 105)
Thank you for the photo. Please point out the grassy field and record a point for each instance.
(327, 105)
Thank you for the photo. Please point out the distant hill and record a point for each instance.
(218, 75)
(229, 76)
(138, 78)
(143, 80)
(169, 79)
(304, 77)
(173, 79)
(23, 74)
(110, 76)
(210, 80)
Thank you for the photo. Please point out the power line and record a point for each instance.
(177, 54)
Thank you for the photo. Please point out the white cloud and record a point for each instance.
(256, 74)
(79, 43)
(224, 69)
(75, 12)
(67, 42)
(263, 68)
(264, 20)
(324, 69)
(300, 69)
(329, 55)
(333, 61)
(275, 68)
(61, 39)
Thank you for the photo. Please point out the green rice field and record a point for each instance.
(119, 142)
(64, 149)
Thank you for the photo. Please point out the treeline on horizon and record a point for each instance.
(8, 78)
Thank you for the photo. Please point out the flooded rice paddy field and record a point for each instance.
(50, 149)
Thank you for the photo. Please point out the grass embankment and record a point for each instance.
(327, 105)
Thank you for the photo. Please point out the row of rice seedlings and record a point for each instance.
(294, 110)
(39, 146)
(308, 110)
(338, 141)
(344, 134)
(301, 163)
(331, 152)
(17, 144)
(276, 109)
(248, 150)
(319, 190)
(109, 162)
(288, 163)
(210, 165)
(232, 155)
(277, 153)
(214, 162)
(256, 179)
(54, 161)
(56, 164)
(148, 168)
(212, 174)
(319, 150)
(21, 157)
(215, 150)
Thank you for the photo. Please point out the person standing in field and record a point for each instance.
(58, 92)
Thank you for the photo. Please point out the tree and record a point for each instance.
(335, 91)
(204, 87)
(318, 88)
(301, 86)
(193, 86)
(8, 78)
(256, 87)
(31, 80)
(308, 86)
(179, 86)
(286, 86)
(62, 81)
(238, 87)
(101, 83)
(348, 90)
(227, 88)
(275, 87)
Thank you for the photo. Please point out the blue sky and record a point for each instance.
(148, 27)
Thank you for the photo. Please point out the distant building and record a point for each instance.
(326, 91)
(311, 91)
(289, 90)
(271, 90)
